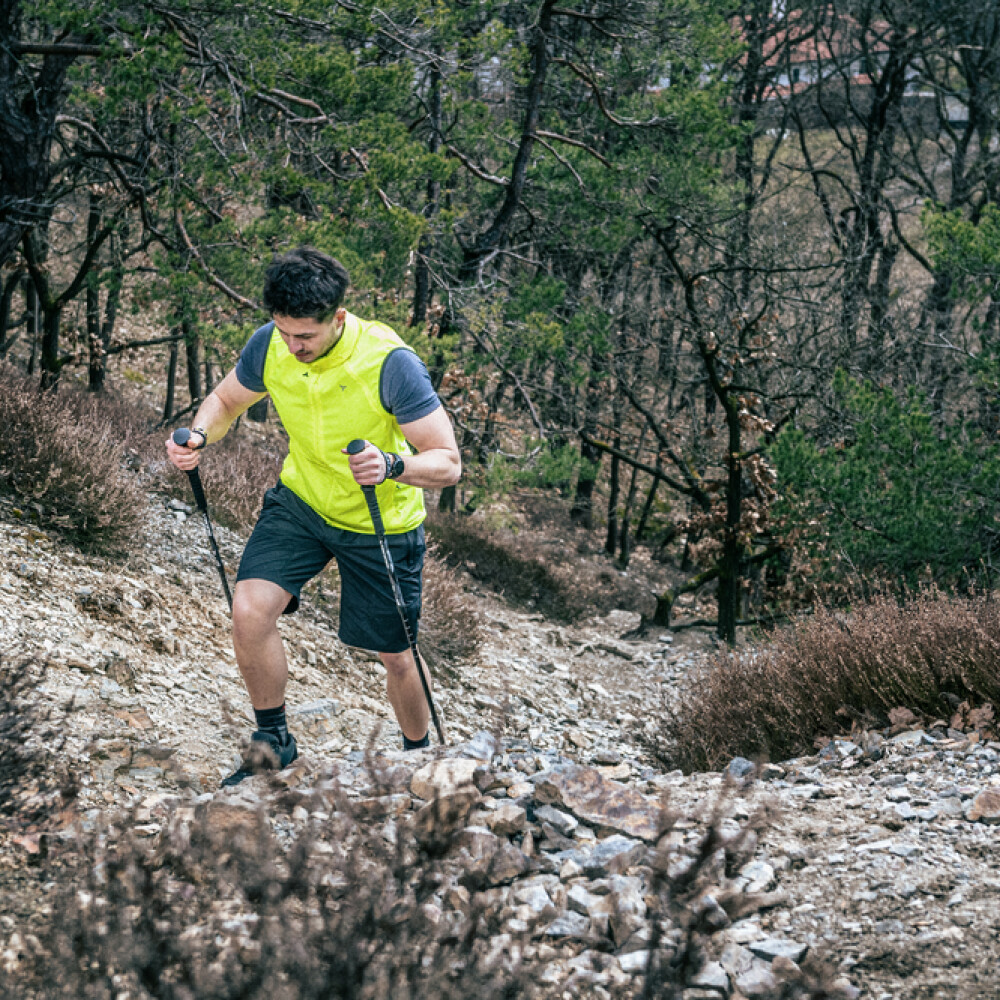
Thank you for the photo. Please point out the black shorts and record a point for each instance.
(291, 544)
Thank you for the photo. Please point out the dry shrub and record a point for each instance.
(235, 473)
(687, 906)
(831, 670)
(219, 907)
(450, 625)
(65, 462)
(225, 903)
(543, 573)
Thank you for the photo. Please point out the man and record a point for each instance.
(332, 378)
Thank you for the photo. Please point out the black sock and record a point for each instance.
(272, 720)
(409, 744)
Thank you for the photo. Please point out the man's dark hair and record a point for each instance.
(305, 283)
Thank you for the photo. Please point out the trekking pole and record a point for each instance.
(354, 448)
(181, 436)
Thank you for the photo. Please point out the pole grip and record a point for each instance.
(181, 436)
(355, 448)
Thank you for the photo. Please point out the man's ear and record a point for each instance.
(340, 315)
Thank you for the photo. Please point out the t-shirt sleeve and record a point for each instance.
(405, 387)
(250, 367)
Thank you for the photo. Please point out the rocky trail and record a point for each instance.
(881, 856)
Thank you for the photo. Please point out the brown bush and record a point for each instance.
(218, 907)
(235, 473)
(828, 672)
(65, 461)
(538, 569)
(450, 625)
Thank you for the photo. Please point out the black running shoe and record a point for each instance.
(266, 753)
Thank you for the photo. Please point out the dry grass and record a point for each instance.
(66, 463)
(235, 473)
(541, 567)
(450, 625)
(217, 908)
(830, 672)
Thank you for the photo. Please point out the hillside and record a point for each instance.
(878, 858)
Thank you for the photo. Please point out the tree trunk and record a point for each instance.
(6, 298)
(647, 509)
(611, 538)
(192, 354)
(52, 320)
(32, 323)
(489, 242)
(168, 403)
(422, 274)
(446, 500)
(730, 575)
(624, 540)
(99, 363)
(582, 511)
(257, 413)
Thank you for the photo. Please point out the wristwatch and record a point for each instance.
(393, 465)
(204, 437)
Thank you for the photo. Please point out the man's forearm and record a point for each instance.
(432, 469)
(213, 417)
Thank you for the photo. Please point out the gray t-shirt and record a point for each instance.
(404, 387)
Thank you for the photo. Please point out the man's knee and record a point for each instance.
(397, 665)
(256, 609)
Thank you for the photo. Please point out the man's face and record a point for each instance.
(308, 339)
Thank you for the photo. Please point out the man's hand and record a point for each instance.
(184, 456)
(368, 466)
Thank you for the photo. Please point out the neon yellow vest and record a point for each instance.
(325, 405)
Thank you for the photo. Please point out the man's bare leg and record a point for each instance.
(260, 653)
(406, 693)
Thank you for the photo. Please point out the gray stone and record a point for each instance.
(759, 876)
(483, 746)
(507, 819)
(913, 738)
(534, 896)
(628, 908)
(758, 981)
(568, 925)
(711, 976)
(580, 900)
(771, 948)
(599, 801)
(613, 856)
(439, 777)
(736, 959)
(985, 807)
(562, 822)
(739, 768)
(478, 841)
(634, 961)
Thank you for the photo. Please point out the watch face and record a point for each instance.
(397, 466)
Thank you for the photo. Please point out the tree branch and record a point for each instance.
(55, 49)
(118, 348)
(211, 278)
(556, 137)
(658, 122)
